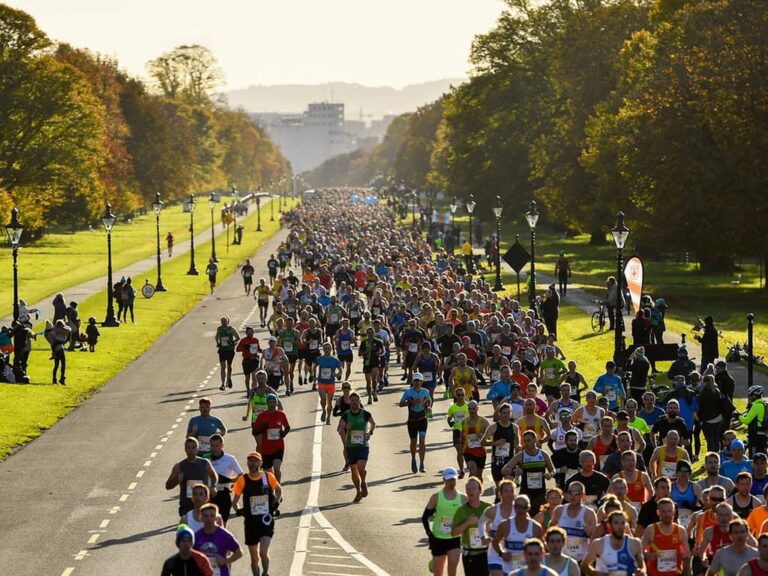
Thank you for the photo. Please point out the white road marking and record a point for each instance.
(174, 426)
(163, 439)
(153, 455)
(104, 523)
(140, 473)
(132, 485)
(179, 419)
(68, 571)
(114, 510)
(147, 463)
(82, 554)
(159, 447)
(93, 539)
(353, 566)
(311, 511)
(315, 554)
(123, 498)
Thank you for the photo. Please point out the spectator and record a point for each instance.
(59, 307)
(92, 334)
(708, 340)
(682, 366)
(73, 321)
(117, 294)
(711, 413)
(641, 328)
(658, 327)
(724, 380)
(129, 298)
(610, 300)
(57, 336)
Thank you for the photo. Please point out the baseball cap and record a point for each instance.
(737, 444)
(254, 454)
(418, 376)
(683, 466)
(622, 415)
(759, 456)
(450, 474)
(272, 339)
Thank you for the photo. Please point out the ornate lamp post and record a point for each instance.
(497, 212)
(212, 201)
(258, 212)
(235, 199)
(470, 208)
(620, 234)
(14, 230)
(108, 219)
(192, 268)
(532, 216)
(157, 206)
(454, 207)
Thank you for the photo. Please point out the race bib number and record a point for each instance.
(214, 566)
(288, 346)
(495, 375)
(190, 484)
(259, 505)
(684, 516)
(428, 376)
(224, 340)
(603, 459)
(413, 347)
(354, 314)
(535, 480)
(503, 451)
(669, 469)
(314, 344)
(666, 561)
(473, 441)
(446, 523)
(357, 437)
(570, 473)
(205, 443)
(273, 434)
(591, 501)
(506, 350)
(326, 373)
(253, 349)
(611, 395)
(458, 417)
(345, 345)
(549, 374)
(576, 547)
(333, 319)
(474, 538)
(590, 429)
(518, 561)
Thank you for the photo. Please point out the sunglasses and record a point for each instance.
(716, 499)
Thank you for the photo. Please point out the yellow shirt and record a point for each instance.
(467, 249)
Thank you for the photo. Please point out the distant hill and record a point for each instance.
(374, 101)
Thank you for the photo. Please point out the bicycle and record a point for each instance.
(598, 316)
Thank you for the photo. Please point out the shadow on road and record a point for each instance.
(136, 537)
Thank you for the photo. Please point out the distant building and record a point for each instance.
(321, 132)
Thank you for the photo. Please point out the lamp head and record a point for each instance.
(471, 204)
(14, 228)
(497, 209)
(108, 219)
(620, 232)
(158, 204)
(532, 216)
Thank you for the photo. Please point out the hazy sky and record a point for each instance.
(374, 42)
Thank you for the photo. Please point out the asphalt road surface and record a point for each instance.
(88, 497)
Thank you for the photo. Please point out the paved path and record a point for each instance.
(138, 271)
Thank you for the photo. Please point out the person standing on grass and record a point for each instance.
(563, 272)
(129, 298)
(92, 334)
(59, 307)
(708, 341)
(73, 321)
(614, 314)
(57, 336)
(169, 243)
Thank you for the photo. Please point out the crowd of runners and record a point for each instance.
(559, 476)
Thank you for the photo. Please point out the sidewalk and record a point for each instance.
(138, 271)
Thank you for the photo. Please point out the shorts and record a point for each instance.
(475, 564)
(369, 368)
(417, 428)
(550, 391)
(410, 358)
(312, 356)
(226, 355)
(263, 303)
(302, 354)
(348, 357)
(292, 357)
(247, 280)
(441, 546)
(430, 385)
(356, 454)
(274, 381)
(331, 329)
(223, 500)
(268, 460)
(496, 470)
(327, 388)
(250, 365)
(478, 460)
(457, 437)
(255, 530)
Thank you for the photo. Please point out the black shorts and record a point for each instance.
(496, 470)
(475, 564)
(410, 358)
(292, 358)
(255, 530)
(456, 437)
(416, 426)
(250, 365)
(263, 303)
(223, 500)
(301, 354)
(478, 460)
(346, 357)
(274, 381)
(369, 368)
(226, 355)
(268, 460)
(551, 391)
(331, 329)
(312, 356)
(247, 280)
(441, 546)
(354, 455)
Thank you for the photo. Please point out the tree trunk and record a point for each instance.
(717, 264)
(597, 237)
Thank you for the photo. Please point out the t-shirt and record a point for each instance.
(728, 562)
(249, 347)
(552, 368)
(640, 425)
(756, 519)
(610, 386)
(239, 486)
(595, 486)
(205, 428)
(196, 565)
(225, 336)
(470, 538)
(418, 400)
(731, 469)
(220, 543)
(326, 369)
(459, 414)
(270, 425)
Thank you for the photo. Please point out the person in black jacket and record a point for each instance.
(550, 310)
(709, 349)
(724, 380)
(682, 366)
(711, 404)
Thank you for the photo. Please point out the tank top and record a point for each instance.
(524, 426)
(720, 539)
(194, 473)
(591, 422)
(566, 567)
(755, 567)
(444, 512)
(514, 544)
(667, 464)
(615, 561)
(493, 556)
(357, 426)
(272, 362)
(742, 511)
(428, 368)
(258, 497)
(288, 340)
(473, 434)
(462, 376)
(189, 520)
(636, 491)
(666, 547)
(313, 341)
(577, 542)
(258, 403)
(533, 473)
(686, 499)
(501, 455)
(507, 342)
(573, 381)
(703, 522)
(495, 366)
(603, 450)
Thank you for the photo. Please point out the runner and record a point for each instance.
(333, 316)
(312, 337)
(262, 294)
(595, 483)
(289, 340)
(615, 553)
(513, 534)
(457, 413)
(561, 564)
(247, 271)
(665, 543)
(345, 339)
(665, 458)
(357, 425)
(193, 519)
(188, 561)
(610, 386)
(429, 365)
(276, 365)
(271, 427)
(257, 401)
(217, 543)
(228, 470)
(272, 266)
(169, 243)
(226, 339)
(472, 431)
(204, 426)
(639, 485)
(418, 402)
(731, 558)
(468, 517)
(190, 471)
(578, 521)
(442, 507)
(212, 269)
(329, 370)
(534, 466)
(504, 439)
(566, 460)
(757, 566)
(250, 349)
(370, 351)
(261, 494)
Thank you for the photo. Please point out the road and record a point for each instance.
(88, 496)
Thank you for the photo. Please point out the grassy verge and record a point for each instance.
(59, 260)
(30, 409)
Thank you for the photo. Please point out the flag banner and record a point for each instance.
(633, 273)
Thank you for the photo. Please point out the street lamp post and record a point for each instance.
(497, 212)
(258, 213)
(157, 206)
(235, 198)
(213, 228)
(470, 208)
(192, 268)
(532, 216)
(14, 230)
(750, 349)
(620, 234)
(454, 207)
(108, 219)
(413, 208)
(272, 206)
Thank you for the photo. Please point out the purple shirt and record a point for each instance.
(220, 543)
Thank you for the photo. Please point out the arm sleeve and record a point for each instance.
(428, 513)
(751, 415)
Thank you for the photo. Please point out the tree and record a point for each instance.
(188, 73)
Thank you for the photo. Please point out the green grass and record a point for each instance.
(60, 260)
(30, 409)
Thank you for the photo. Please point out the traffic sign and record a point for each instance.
(517, 257)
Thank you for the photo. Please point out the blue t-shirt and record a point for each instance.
(326, 369)
(687, 409)
(500, 390)
(731, 469)
(205, 428)
(419, 399)
(651, 418)
(610, 385)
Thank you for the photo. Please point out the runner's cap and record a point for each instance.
(254, 454)
(450, 474)
(418, 376)
(737, 444)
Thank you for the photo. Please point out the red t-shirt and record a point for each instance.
(326, 280)
(361, 279)
(249, 347)
(269, 425)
